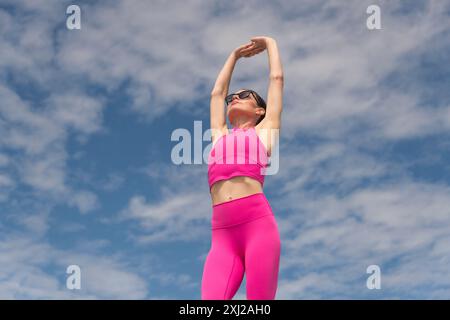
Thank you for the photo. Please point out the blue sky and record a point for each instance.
(86, 118)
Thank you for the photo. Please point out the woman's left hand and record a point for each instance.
(261, 41)
(259, 44)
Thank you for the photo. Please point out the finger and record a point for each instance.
(252, 53)
(246, 51)
(255, 50)
(248, 47)
(245, 46)
(251, 48)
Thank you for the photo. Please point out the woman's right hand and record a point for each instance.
(247, 50)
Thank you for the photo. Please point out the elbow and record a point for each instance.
(278, 77)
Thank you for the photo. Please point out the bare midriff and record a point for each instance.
(234, 188)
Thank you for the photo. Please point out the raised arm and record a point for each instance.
(274, 103)
(220, 90)
(219, 93)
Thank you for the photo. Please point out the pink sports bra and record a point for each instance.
(238, 153)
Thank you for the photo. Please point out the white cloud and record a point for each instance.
(85, 201)
(339, 236)
(77, 111)
(180, 213)
(24, 263)
(176, 217)
(4, 160)
(5, 181)
(41, 135)
(35, 223)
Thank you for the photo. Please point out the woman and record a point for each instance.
(245, 235)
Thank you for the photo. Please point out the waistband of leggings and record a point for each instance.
(237, 199)
(240, 210)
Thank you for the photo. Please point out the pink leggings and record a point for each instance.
(244, 238)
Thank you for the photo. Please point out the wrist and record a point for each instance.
(270, 41)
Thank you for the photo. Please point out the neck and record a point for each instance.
(243, 124)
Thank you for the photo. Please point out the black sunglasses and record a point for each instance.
(242, 95)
